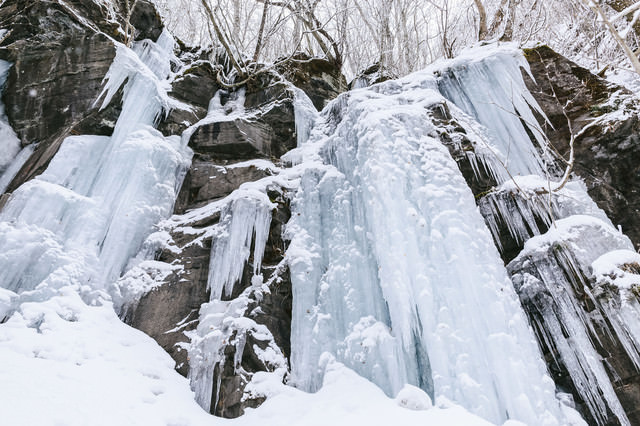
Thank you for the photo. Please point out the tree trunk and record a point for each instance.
(483, 32)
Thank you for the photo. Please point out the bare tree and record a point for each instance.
(503, 20)
(619, 36)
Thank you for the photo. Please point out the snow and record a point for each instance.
(345, 398)
(93, 369)
(608, 266)
(84, 366)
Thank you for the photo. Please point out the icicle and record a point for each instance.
(9, 142)
(100, 196)
(223, 324)
(617, 282)
(240, 221)
(493, 92)
(522, 204)
(305, 115)
(549, 276)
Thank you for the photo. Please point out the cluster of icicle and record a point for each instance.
(556, 269)
(82, 220)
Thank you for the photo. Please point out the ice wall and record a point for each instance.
(393, 269)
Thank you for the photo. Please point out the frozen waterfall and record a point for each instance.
(83, 219)
(393, 269)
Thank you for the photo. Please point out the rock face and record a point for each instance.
(370, 76)
(249, 125)
(319, 78)
(608, 153)
(60, 53)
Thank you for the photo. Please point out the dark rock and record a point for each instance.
(268, 133)
(264, 89)
(370, 76)
(320, 79)
(196, 85)
(58, 67)
(178, 120)
(607, 155)
(172, 308)
(206, 181)
(169, 310)
(146, 20)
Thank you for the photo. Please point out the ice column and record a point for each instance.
(394, 272)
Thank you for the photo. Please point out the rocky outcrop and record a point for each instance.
(61, 52)
(321, 80)
(247, 126)
(259, 123)
(549, 307)
(608, 153)
(370, 76)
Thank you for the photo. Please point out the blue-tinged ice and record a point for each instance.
(491, 89)
(393, 269)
